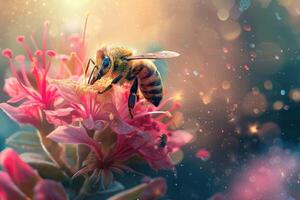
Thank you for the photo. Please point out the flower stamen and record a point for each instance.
(21, 40)
(21, 60)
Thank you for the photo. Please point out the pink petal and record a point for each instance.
(157, 158)
(74, 135)
(19, 171)
(132, 143)
(178, 139)
(68, 91)
(89, 122)
(120, 126)
(116, 123)
(17, 92)
(99, 124)
(138, 140)
(120, 96)
(24, 114)
(49, 190)
(61, 116)
(14, 90)
(8, 190)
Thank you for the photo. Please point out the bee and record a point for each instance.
(122, 65)
(163, 140)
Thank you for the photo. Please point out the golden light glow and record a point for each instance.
(268, 85)
(254, 103)
(253, 128)
(207, 97)
(223, 14)
(177, 119)
(178, 96)
(230, 30)
(294, 94)
(285, 2)
(226, 85)
(278, 105)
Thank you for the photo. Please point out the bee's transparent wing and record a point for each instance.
(154, 55)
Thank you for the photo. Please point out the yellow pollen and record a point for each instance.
(79, 87)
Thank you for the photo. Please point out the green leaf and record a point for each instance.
(45, 168)
(24, 141)
(70, 154)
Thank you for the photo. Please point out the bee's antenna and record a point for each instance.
(83, 37)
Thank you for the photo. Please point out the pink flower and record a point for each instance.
(34, 95)
(102, 162)
(20, 182)
(150, 120)
(133, 137)
(82, 103)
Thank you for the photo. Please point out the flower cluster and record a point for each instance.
(34, 93)
(67, 110)
(20, 182)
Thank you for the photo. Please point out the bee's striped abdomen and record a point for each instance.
(150, 82)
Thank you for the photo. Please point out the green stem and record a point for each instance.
(54, 151)
(83, 151)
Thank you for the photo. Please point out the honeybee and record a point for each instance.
(124, 66)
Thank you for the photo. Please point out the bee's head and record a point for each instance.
(110, 58)
(104, 67)
(104, 63)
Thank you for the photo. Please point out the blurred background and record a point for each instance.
(238, 78)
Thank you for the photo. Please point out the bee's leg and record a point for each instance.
(87, 68)
(132, 99)
(91, 75)
(88, 65)
(115, 81)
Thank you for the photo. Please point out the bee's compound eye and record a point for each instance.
(106, 62)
